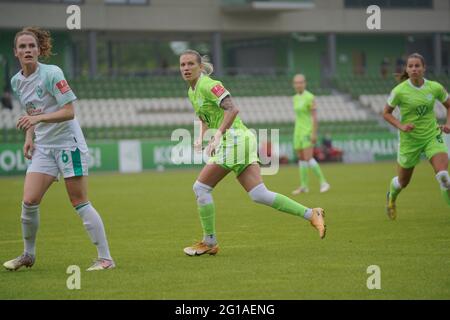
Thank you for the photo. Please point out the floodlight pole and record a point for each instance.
(92, 51)
(437, 50)
(331, 41)
(217, 53)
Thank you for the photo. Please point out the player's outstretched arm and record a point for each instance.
(446, 127)
(229, 115)
(315, 122)
(63, 114)
(28, 146)
(199, 142)
(231, 111)
(389, 117)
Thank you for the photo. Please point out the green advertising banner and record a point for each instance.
(102, 157)
(135, 155)
(12, 161)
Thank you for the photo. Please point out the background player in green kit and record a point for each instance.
(232, 148)
(419, 130)
(54, 143)
(305, 134)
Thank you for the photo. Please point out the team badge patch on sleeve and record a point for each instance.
(218, 90)
(63, 86)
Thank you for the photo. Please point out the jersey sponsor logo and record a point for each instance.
(218, 90)
(31, 109)
(63, 86)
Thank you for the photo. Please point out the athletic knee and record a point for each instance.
(202, 192)
(31, 201)
(76, 201)
(260, 194)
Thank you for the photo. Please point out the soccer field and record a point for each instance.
(265, 254)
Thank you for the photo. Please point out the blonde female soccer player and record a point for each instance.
(55, 144)
(419, 130)
(305, 135)
(232, 148)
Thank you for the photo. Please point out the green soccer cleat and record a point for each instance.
(391, 209)
(24, 260)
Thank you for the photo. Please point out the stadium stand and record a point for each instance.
(155, 118)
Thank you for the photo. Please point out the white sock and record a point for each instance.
(302, 163)
(260, 194)
(396, 183)
(308, 214)
(203, 193)
(312, 162)
(30, 225)
(443, 179)
(94, 226)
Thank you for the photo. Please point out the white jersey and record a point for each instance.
(46, 91)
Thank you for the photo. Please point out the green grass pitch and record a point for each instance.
(265, 254)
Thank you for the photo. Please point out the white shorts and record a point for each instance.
(70, 163)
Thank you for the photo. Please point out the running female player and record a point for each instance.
(419, 130)
(232, 148)
(55, 144)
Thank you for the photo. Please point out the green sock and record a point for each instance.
(394, 189)
(317, 171)
(304, 178)
(285, 204)
(208, 218)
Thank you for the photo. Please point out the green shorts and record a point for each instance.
(409, 152)
(237, 152)
(302, 141)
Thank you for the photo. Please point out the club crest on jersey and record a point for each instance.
(429, 97)
(421, 111)
(218, 90)
(39, 91)
(63, 86)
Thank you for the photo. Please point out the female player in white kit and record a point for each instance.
(55, 144)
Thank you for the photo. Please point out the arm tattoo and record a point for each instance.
(227, 104)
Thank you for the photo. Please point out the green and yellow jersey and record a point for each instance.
(417, 107)
(303, 106)
(206, 98)
(238, 148)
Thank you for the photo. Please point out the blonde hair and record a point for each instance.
(207, 66)
(404, 75)
(43, 39)
(299, 75)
